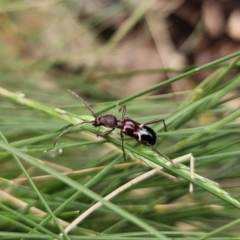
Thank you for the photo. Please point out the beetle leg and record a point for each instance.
(123, 149)
(156, 121)
(67, 130)
(163, 155)
(104, 133)
(123, 109)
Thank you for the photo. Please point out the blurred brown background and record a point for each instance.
(54, 45)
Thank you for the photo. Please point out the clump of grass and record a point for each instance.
(52, 189)
(82, 188)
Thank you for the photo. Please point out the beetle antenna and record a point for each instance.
(85, 103)
(67, 130)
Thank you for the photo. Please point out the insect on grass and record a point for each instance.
(139, 131)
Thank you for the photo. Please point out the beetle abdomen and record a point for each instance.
(147, 136)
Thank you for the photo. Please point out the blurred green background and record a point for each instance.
(119, 51)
